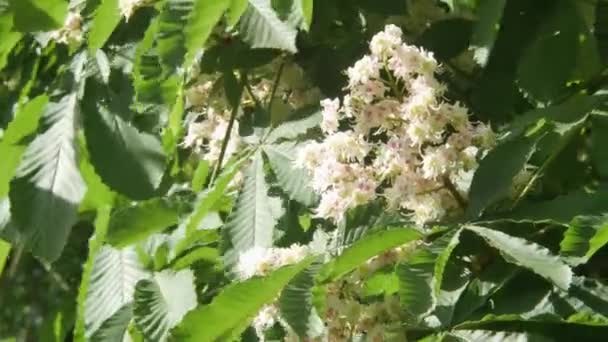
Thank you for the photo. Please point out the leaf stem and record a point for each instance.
(218, 166)
(452, 189)
(275, 87)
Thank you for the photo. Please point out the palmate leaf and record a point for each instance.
(294, 181)
(48, 187)
(521, 252)
(255, 214)
(231, 311)
(261, 27)
(111, 286)
(292, 129)
(364, 249)
(129, 161)
(161, 302)
(134, 224)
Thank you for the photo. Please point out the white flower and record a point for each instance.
(264, 320)
(128, 7)
(330, 115)
(259, 261)
(71, 32)
(386, 41)
(346, 146)
(364, 70)
(485, 135)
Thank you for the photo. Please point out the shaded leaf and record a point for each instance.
(115, 327)
(38, 15)
(584, 237)
(261, 27)
(204, 16)
(105, 20)
(485, 29)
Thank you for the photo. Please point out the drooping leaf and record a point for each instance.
(204, 16)
(230, 311)
(584, 237)
(111, 286)
(38, 15)
(493, 179)
(294, 181)
(296, 304)
(532, 256)
(364, 249)
(115, 327)
(161, 302)
(104, 23)
(48, 187)
(129, 161)
(261, 27)
(255, 214)
(133, 224)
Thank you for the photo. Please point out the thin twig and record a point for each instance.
(275, 87)
(220, 160)
(452, 189)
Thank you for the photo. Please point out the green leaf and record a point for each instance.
(171, 38)
(5, 249)
(565, 36)
(447, 38)
(599, 136)
(48, 187)
(161, 303)
(381, 283)
(261, 27)
(485, 29)
(104, 23)
(95, 243)
(584, 237)
(493, 179)
(25, 123)
(290, 130)
(529, 255)
(200, 176)
(307, 11)
(38, 15)
(235, 11)
(115, 327)
(9, 38)
(230, 311)
(294, 181)
(296, 304)
(129, 161)
(111, 286)
(255, 214)
(208, 254)
(204, 16)
(133, 224)
(562, 209)
(364, 249)
(470, 335)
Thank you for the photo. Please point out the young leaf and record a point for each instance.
(262, 28)
(129, 161)
(48, 187)
(364, 249)
(294, 181)
(112, 283)
(529, 255)
(494, 177)
(255, 214)
(133, 224)
(161, 302)
(230, 312)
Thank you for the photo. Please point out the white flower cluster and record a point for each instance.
(207, 130)
(260, 261)
(128, 7)
(394, 134)
(71, 32)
